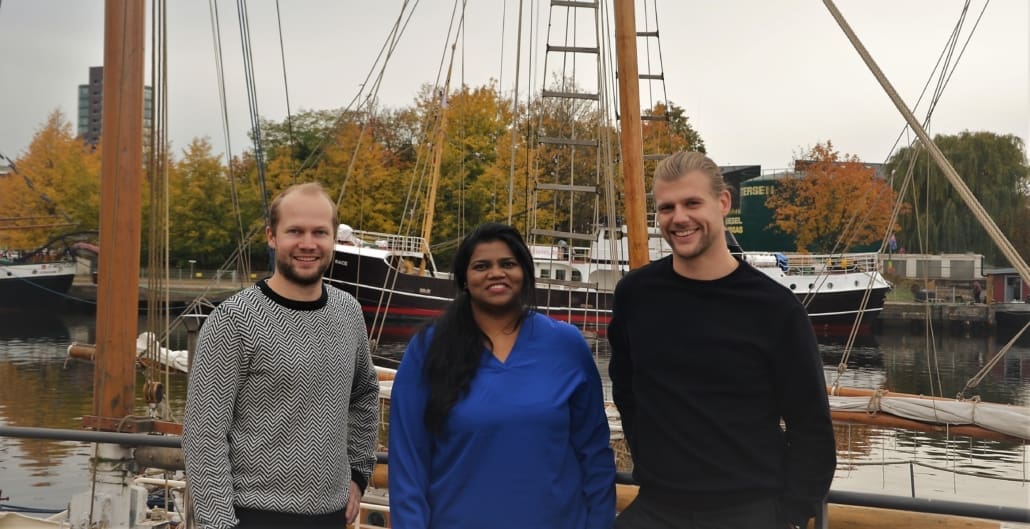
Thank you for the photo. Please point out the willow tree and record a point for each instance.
(993, 166)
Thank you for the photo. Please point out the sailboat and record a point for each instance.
(118, 303)
(580, 253)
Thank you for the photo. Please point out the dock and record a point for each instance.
(955, 315)
(181, 292)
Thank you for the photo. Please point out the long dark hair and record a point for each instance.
(457, 343)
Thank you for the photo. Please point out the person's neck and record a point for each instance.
(494, 324)
(294, 291)
(716, 263)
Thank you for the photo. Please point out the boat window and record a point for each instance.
(577, 276)
(793, 286)
(829, 285)
(545, 273)
(559, 274)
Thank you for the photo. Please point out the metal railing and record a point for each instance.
(859, 499)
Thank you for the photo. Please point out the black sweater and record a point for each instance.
(702, 372)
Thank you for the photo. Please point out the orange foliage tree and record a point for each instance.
(832, 203)
(53, 189)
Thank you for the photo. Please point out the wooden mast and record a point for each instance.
(117, 310)
(631, 136)
(438, 139)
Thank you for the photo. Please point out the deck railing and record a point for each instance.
(405, 244)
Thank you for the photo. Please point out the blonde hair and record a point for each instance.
(677, 165)
(309, 188)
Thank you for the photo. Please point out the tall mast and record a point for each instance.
(631, 136)
(441, 126)
(117, 311)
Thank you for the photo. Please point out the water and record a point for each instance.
(40, 387)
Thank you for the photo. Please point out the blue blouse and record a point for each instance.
(528, 447)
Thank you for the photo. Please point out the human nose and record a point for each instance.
(679, 214)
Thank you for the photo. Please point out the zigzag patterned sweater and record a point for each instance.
(282, 406)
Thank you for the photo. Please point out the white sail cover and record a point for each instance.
(1003, 418)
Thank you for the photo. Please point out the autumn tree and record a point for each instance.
(55, 186)
(666, 129)
(832, 203)
(202, 212)
(994, 167)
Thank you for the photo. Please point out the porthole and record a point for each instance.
(829, 285)
(793, 286)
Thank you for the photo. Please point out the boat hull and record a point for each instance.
(35, 285)
(400, 303)
(397, 303)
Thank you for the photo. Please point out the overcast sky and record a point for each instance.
(759, 79)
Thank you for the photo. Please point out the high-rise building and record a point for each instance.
(91, 106)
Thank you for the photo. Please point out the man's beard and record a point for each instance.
(289, 273)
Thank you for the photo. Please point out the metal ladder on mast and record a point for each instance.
(571, 157)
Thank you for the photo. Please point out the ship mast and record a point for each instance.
(117, 311)
(631, 136)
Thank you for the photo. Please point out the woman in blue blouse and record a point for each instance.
(496, 414)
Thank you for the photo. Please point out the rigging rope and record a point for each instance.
(252, 103)
(850, 231)
(286, 86)
(514, 113)
(243, 245)
(157, 298)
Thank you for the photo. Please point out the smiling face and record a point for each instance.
(303, 244)
(690, 216)
(495, 279)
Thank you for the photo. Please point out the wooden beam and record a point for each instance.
(114, 375)
(631, 136)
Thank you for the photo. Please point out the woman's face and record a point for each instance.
(495, 278)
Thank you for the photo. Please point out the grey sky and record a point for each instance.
(760, 80)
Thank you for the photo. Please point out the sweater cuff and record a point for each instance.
(357, 477)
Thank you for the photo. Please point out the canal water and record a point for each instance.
(41, 387)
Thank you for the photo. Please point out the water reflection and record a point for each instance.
(40, 387)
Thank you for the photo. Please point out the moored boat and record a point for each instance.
(34, 284)
(575, 284)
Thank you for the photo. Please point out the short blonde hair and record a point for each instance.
(677, 165)
(309, 188)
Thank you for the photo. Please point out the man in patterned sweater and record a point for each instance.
(281, 411)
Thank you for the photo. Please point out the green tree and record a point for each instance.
(201, 209)
(833, 203)
(993, 166)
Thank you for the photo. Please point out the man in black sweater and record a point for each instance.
(708, 355)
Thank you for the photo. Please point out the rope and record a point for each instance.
(252, 103)
(850, 232)
(157, 298)
(514, 114)
(392, 38)
(286, 86)
(982, 373)
(419, 178)
(216, 37)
